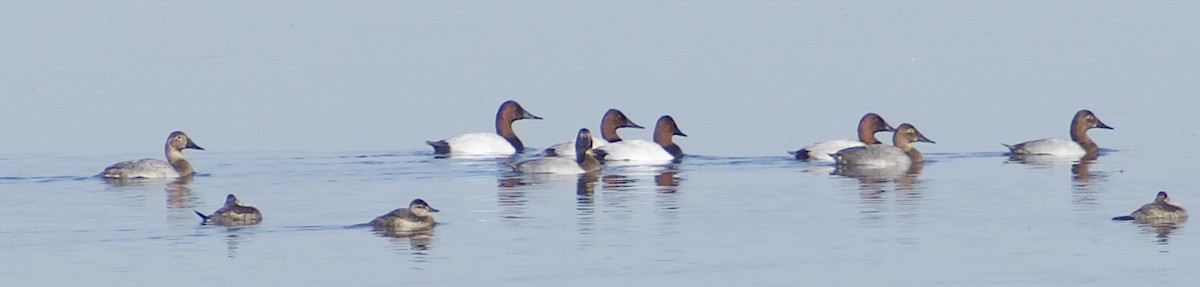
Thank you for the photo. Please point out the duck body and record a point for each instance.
(175, 166)
(636, 150)
(552, 165)
(232, 214)
(821, 151)
(140, 168)
(479, 143)
(503, 142)
(584, 161)
(878, 155)
(1049, 146)
(613, 119)
(1161, 210)
(868, 125)
(415, 217)
(566, 149)
(1079, 145)
(663, 148)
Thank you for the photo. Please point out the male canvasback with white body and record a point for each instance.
(584, 161)
(503, 142)
(612, 120)
(232, 214)
(1161, 210)
(1079, 145)
(175, 166)
(415, 217)
(901, 154)
(663, 148)
(870, 124)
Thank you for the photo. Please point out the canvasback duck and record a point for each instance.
(175, 166)
(870, 124)
(613, 120)
(585, 160)
(1079, 145)
(416, 216)
(902, 153)
(232, 214)
(503, 142)
(663, 148)
(1162, 209)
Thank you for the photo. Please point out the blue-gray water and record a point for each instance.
(964, 219)
(317, 113)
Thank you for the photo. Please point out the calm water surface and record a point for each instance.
(961, 219)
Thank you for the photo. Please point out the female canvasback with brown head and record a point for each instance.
(415, 217)
(870, 124)
(662, 149)
(612, 120)
(584, 161)
(1161, 210)
(1079, 145)
(503, 142)
(901, 153)
(232, 214)
(175, 166)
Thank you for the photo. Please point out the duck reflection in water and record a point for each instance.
(415, 240)
(178, 194)
(1085, 181)
(666, 177)
(511, 196)
(585, 202)
(667, 181)
(873, 178)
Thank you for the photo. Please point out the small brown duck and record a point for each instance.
(232, 214)
(1162, 209)
(415, 217)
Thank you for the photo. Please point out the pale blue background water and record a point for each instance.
(317, 113)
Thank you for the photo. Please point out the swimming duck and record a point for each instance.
(175, 166)
(1162, 209)
(232, 214)
(612, 120)
(416, 216)
(503, 142)
(663, 148)
(902, 153)
(1079, 145)
(585, 160)
(870, 124)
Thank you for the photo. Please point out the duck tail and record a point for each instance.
(203, 218)
(439, 147)
(801, 154)
(1122, 218)
(1011, 148)
(600, 154)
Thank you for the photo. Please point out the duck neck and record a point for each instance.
(905, 146)
(587, 160)
(914, 155)
(663, 136)
(866, 134)
(1079, 135)
(674, 150)
(505, 130)
(175, 158)
(608, 130)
